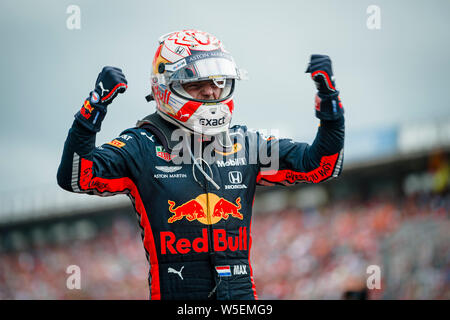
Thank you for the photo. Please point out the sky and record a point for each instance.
(387, 76)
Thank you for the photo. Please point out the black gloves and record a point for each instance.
(328, 103)
(110, 82)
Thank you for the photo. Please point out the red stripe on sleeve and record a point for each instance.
(89, 182)
(324, 171)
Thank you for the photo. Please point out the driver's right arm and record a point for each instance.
(104, 170)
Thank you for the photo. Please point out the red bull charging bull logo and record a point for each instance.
(206, 208)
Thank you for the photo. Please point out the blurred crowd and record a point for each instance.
(326, 254)
(321, 253)
(111, 262)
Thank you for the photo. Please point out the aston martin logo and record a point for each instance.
(168, 169)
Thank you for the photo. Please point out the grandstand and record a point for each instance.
(390, 208)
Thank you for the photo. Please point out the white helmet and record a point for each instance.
(191, 56)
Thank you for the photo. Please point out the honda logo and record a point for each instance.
(179, 50)
(235, 177)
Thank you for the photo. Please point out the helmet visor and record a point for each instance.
(226, 86)
(203, 65)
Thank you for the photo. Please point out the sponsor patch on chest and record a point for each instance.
(163, 154)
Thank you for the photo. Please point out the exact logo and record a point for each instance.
(196, 209)
(212, 122)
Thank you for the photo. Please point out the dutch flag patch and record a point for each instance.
(223, 271)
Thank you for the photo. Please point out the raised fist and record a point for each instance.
(322, 73)
(328, 104)
(110, 82)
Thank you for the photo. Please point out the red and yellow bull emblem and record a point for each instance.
(88, 106)
(206, 208)
(86, 109)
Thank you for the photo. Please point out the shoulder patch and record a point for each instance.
(117, 143)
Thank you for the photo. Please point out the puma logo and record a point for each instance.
(103, 89)
(172, 270)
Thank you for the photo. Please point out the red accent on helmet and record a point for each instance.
(230, 105)
(186, 111)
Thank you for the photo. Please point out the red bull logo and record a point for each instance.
(86, 109)
(192, 210)
(88, 106)
(206, 208)
(170, 244)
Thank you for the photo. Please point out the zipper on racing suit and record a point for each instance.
(210, 229)
(211, 252)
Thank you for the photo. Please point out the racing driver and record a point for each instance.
(191, 177)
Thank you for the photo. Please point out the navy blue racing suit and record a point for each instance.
(196, 226)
